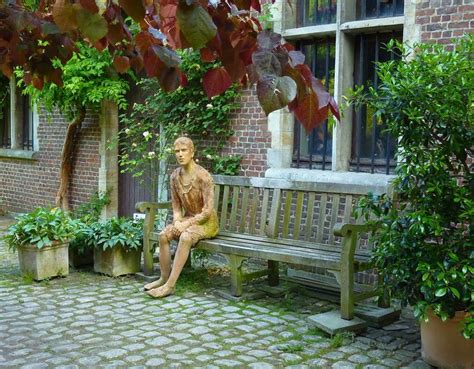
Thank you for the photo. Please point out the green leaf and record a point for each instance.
(196, 25)
(92, 26)
(455, 292)
(441, 292)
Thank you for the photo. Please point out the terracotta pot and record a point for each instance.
(443, 345)
(47, 262)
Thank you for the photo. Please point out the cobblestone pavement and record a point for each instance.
(89, 321)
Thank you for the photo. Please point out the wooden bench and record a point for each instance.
(283, 221)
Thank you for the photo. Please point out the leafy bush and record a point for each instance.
(42, 227)
(114, 232)
(85, 215)
(425, 244)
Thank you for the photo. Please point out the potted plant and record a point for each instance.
(41, 238)
(80, 252)
(424, 246)
(117, 246)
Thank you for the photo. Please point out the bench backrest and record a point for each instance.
(286, 209)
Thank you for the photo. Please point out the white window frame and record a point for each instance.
(16, 150)
(281, 122)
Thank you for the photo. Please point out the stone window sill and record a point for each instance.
(18, 154)
(375, 183)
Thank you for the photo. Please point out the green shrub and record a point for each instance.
(42, 227)
(114, 232)
(425, 244)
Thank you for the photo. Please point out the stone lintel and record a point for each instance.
(373, 24)
(310, 32)
(332, 323)
(18, 154)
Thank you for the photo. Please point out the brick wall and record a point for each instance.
(25, 185)
(443, 20)
(252, 138)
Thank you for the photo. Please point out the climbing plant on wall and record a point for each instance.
(153, 125)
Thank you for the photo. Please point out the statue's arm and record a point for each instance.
(208, 197)
(175, 203)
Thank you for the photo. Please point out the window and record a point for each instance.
(379, 8)
(313, 12)
(372, 149)
(315, 150)
(17, 120)
(342, 51)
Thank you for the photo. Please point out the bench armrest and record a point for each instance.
(143, 206)
(343, 229)
(149, 208)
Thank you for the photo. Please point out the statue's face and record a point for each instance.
(184, 154)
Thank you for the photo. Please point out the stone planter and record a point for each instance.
(78, 260)
(116, 261)
(443, 345)
(47, 262)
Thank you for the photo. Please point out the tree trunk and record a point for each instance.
(67, 157)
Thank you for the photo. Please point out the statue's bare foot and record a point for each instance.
(162, 291)
(155, 284)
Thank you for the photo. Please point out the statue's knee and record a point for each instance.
(163, 237)
(186, 238)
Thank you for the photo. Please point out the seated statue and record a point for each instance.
(194, 216)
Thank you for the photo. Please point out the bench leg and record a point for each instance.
(347, 277)
(273, 273)
(384, 297)
(236, 274)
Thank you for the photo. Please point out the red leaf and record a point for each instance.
(207, 55)
(153, 64)
(268, 39)
(275, 92)
(216, 81)
(89, 5)
(144, 40)
(256, 5)
(38, 83)
(64, 15)
(101, 44)
(116, 33)
(334, 108)
(55, 77)
(134, 8)
(121, 63)
(137, 63)
(296, 58)
(170, 79)
(184, 80)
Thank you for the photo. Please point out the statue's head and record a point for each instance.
(184, 150)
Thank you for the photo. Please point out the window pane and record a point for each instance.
(5, 141)
(314, 150)
(27, 122)
(379, 8)
(372, 149)
(314, 12)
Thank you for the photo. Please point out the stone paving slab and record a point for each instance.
(88, 320)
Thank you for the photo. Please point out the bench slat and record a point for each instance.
(253, 210)
(287, 213)
(299, 214)
(322, 218)
(309, 216)
(217, 192)
(334, 214)
(274, 220)
(245, 204)
(263, 215)
(287, 255)
(362, 255)
(225, 203)
(235, 206)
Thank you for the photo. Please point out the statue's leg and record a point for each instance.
(182, 253)
(165, 260)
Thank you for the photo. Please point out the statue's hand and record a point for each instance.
(181, 226)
